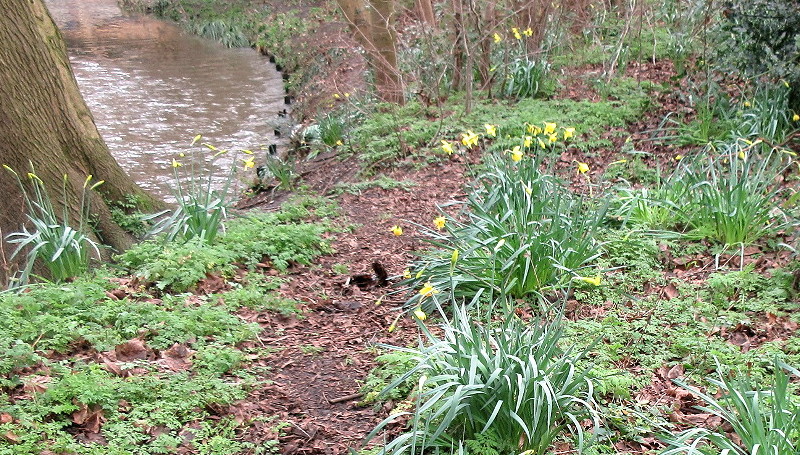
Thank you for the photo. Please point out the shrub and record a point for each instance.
(763, 37)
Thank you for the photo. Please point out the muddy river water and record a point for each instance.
(152, 87)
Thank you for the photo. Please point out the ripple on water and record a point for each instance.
(152, 88)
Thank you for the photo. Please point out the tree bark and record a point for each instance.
(45, 121)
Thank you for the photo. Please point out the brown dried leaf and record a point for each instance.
(177, 357)
(11, 437)
(134, 349)
(90, 418)
(6, 418)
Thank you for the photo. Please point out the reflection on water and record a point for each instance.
(152, 88)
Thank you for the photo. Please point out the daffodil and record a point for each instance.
(491, 130)
(346, 95)
(248, 162)
(339, 143)
(499, 245)
(407, 274)
(397, 230)
(527, 188)
(569, 133)
(447, 147)
(796, 117)
(516, 33)
(175, 163)
(535, 130)
(594, 280)
(678, 157)
(516, 154)
(528, 32)
(439, 222)
(528, 141)
(196, 138)
(336, 95)
(497, 38)
(428, 290)
(553, 138)
(747, 104)
(741, 155)
(454, 257)
(419, 274)
(469, 138)
(419, 314)
(391, 328)
(549, 128)
(541, 142)
(582, 167)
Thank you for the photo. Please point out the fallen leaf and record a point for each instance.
(91, 418)
(6, 418)
(134, 349)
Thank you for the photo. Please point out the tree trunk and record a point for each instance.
(372, 24)
(45, 121)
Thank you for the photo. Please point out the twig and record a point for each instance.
(352, 396)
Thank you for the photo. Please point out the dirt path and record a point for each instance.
(320, 358)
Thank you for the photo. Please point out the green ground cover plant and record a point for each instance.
(281, 238)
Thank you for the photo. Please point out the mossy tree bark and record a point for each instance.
(45, 121)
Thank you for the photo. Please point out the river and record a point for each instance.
(152, 88)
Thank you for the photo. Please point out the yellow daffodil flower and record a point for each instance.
(397, 230)
(497, 38)
(516, 154)
(391, 328)
(678, 157)
(196, 138)
(553, 138)
(336, 95)
(419, 314)
(248, 162)
(454, 257)
(528, 141)
(796, 117)
(439, 222)
(747, 104)
(594, 280)
(469, 138)
(419, 274)
(785, 83)
(541, 142)
(209, 146)
(527, 188)
(499, 245)
(516, 33)
(346, 95)
(428, 290)
(447, 147)
(339, 143)
(535, 130)
(528, 32)
(569, 133)
(176, 163)
(582, 167)
(491, 130)
(741, 155)
(622, 161)
(549, 128)
(407, 274)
